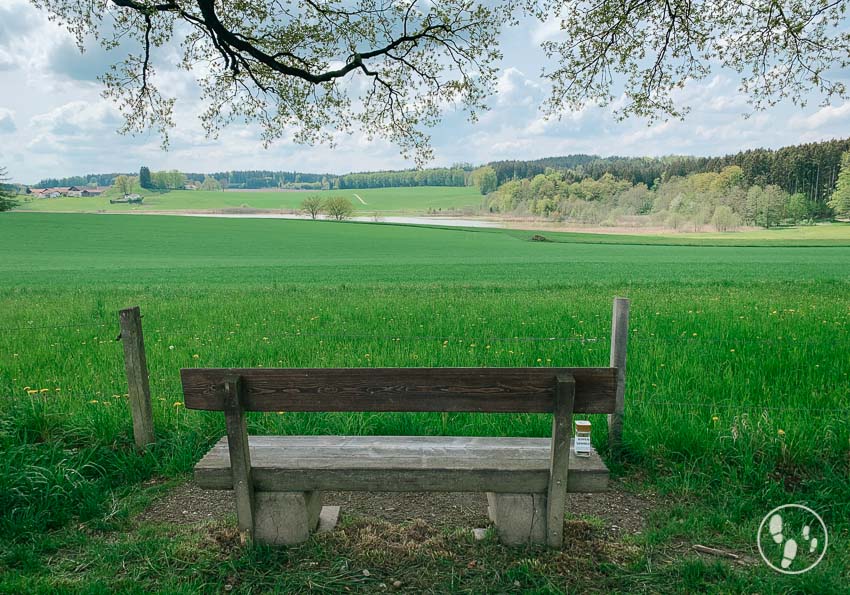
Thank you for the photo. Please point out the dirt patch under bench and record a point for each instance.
(622, 512)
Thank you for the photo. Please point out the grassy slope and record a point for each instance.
(754, 337)
(378, 199)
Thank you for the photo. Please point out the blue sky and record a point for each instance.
(53, 121)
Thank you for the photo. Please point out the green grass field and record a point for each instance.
(737, 391)
(382, 200)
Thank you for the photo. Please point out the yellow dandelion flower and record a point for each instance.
(196, 356)
(732, 351)
(178, 404)
(280, 412)
(780, 432)
(27, 387)
(93, 401)
(44, 390)
(32, 392)
(715, 419)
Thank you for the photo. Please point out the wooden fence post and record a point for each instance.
(619, 343)
(136, 365)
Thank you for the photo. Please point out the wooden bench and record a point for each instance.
(278, 480)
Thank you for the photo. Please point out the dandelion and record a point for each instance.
(177, 404)
(196, 356)
(280, 412)
(367, 356)
(171, 347)
(732, 351)
(780, 432)
(93, 401)
(44, 390)
(32, 392)
(27, 387)
(715, 419)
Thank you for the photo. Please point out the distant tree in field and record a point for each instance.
(840, 200)
(7, 194)
(485, 178)
(339, 208)
(799, 208)
(724, 219)
(145, 180)
(211, 183)
(312, 205)
(766, 206)
(168, 180)
(124, 184)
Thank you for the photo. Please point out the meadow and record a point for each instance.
(737, 390)
(380, 200)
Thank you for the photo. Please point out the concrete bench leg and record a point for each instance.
(285, 518)
(519, 518)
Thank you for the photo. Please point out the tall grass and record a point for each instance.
(737, 385)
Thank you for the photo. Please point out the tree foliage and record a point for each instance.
(124, 184)
(338, 208)
(287, 65)
(485, 178)
(211, 184)
(721, 199)
(840, 199)
(145, 180)
(7, 194)
(313, 205)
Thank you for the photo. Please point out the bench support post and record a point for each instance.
(562, 421)
(619, 343)
(286, 518)
(240, 455)
(519, 518)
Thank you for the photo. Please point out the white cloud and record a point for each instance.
(7, 121)
(826, 115)
(514, 88)
(548, 30)
(78, 118)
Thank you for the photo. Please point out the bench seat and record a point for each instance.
(400, 464)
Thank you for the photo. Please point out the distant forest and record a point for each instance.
(809, 169)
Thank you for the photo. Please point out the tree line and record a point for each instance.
(724, 199)
(810, 169)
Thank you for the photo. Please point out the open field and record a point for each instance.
(384, 200)
(737, 392)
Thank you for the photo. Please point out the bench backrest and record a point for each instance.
(495, 390)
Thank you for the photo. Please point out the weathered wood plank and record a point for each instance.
(562, 419)
(496, 390)
(138, 383)
(303, 463)
(239, 454)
